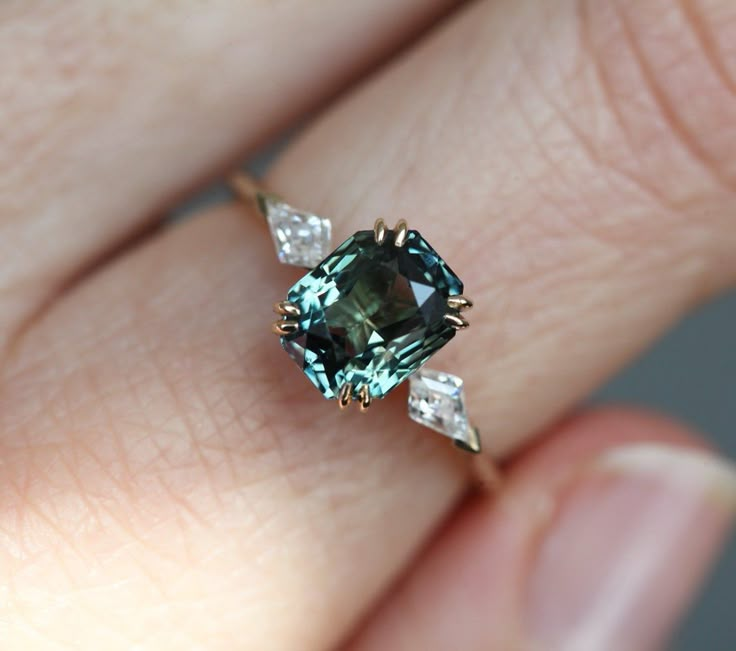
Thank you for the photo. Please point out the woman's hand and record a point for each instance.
(169, 481)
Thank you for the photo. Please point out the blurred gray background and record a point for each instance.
(689, 374)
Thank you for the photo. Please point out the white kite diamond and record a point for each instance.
(437, 401)
(301, 239)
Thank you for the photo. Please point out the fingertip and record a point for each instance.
(579, 549)
(585, 434)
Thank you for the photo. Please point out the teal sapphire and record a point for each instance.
(371, 314)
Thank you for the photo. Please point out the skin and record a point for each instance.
(168, 481)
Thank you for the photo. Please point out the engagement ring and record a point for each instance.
(368, 315)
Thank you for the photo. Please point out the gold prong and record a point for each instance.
(345, 397)
(286, 308)
(456, 321)
(365, 398)
(285, 327)
(459, 303)
(400, 233)
(379, 231)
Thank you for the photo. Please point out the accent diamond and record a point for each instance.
(301, 239)
(437, 401)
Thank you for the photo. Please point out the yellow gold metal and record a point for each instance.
(488, 475)
(285, 327)
(456, 321)
(244, 186)
(400, 233)
(286, 308)
(459, 303)
(249, 191)
(345, 397)
(365, 398)
(379, 231)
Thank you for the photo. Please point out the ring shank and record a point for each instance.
(245, 187)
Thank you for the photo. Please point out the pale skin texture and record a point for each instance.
(169, 481)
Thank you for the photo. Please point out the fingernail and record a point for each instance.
(628, 548)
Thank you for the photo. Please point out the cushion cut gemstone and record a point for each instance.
(371, 314)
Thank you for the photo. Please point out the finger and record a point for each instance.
(577, 169)
(159, 458)
(161, 367)
(111, 110)
(599, 541)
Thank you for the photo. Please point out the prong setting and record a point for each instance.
(287, 309)
(379, 231)
(342, 339)
(459, 303)
(345, 397)
(401, 232)
(285, 327)
(288, 324)
(364, 395)
(456, 321)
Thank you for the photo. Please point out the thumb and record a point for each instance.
(599, 540)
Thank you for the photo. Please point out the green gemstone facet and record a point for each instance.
(371, 314)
